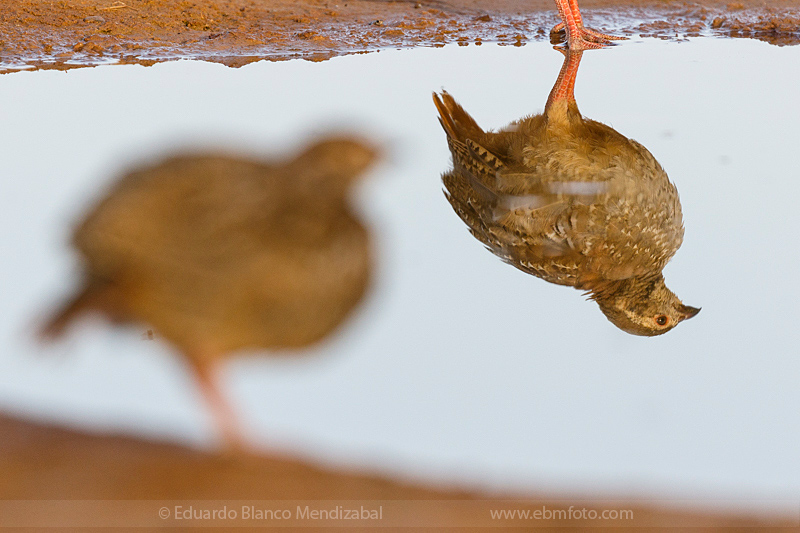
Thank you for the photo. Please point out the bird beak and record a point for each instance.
(688, 311)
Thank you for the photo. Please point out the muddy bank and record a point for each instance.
(70, 33)
(41, 462)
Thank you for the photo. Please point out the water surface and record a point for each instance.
(458, 368)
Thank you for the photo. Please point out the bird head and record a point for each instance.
(644, 306)
(334, 161)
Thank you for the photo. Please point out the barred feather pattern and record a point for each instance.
(563, 198)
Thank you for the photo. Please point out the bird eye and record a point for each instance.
(662, 320)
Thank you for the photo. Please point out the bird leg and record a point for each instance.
(564, 88)
(578, 36)
(225, 419)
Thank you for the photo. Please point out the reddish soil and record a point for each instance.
(49, 465)
(68, 33)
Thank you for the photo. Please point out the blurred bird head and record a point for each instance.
(643, 307)
(336, 161)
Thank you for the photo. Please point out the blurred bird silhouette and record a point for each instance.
(578, 37)
(573, 202)
(218, 254)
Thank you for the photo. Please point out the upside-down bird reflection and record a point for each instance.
(220, 253)
(573, 202)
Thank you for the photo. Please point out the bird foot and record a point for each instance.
(585, 38)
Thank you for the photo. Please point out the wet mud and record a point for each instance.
(67, 34)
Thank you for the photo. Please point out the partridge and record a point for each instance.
(573, 202)
(219, 253)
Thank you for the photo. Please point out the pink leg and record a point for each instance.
(578, 36)
(589, 32)
(225, 418)
(564, 88)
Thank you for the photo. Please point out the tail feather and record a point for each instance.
(91, 297)
(473, 168)
(457, 123)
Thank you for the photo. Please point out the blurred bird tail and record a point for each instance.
(90, 297)
(457, 123)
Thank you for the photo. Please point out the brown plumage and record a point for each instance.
(220, 253)
(573, 202)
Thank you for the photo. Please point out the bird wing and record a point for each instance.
(204, 246)
(200, 213)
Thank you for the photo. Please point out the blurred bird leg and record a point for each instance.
(225, 419)
(578, 36)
